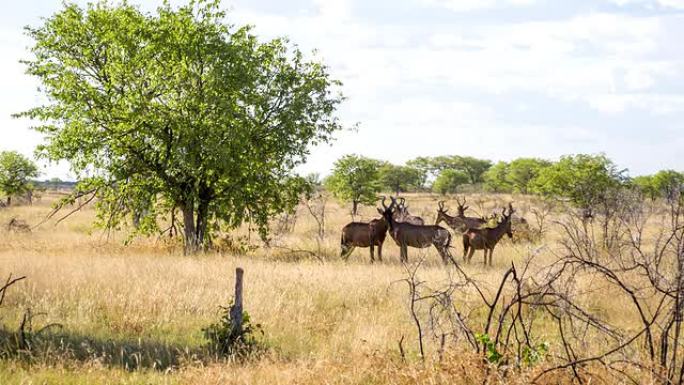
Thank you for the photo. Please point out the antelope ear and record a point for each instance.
(381, 212)
(465, 208)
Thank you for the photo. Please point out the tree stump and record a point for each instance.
(236, 309)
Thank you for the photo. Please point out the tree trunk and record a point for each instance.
(195, 225)
(190, 235)
(9, 200)
(355, 207)
(202, 223)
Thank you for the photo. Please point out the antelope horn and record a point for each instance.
(440, 204)
(383, 202)
(402, 201)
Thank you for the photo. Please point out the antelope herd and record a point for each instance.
(411, 231)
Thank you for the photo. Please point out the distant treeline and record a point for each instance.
(54, 184)
(580, 178)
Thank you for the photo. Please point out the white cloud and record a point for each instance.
(472, 5)
(676, 4)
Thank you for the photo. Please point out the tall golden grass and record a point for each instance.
(135, 313)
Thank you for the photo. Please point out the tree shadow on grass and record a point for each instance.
(130, 354)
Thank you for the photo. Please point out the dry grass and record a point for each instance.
(134, 314)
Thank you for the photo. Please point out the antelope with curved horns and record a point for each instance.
(362, 234)
(407, 235)
(487, 238)
(460, 222)
(401, 214)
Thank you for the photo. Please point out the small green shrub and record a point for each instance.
(223, 340)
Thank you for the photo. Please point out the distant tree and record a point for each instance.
(448, 181)
(474, 168)
(400, 178)
(425, 166)
(16, 172)
(495, 179)
(522, 171)
(645, 184)
(178, 109)
(669, 184)
(584, 179)
(355, 178)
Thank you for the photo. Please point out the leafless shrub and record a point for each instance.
(285, 223)
(316, 205)
(18, 226)
(541, 211)
(508, 323)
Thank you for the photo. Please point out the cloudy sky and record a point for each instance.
(496, 79)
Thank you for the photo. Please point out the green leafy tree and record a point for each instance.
(584, 179)
(400, 178)
(669, 184)
(495, 179)
(16, 172)
(645, 184)
(176, 109)
(522, 171)
(448, 181)
(355, 178)
(424, 165)
(474, 168)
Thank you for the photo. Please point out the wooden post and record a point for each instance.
(236, 309)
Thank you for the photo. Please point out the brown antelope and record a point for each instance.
(460, 222)
(401, 214)
(419, 236)
(487, 238)
(362, 234)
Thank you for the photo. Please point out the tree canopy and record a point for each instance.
(355, 178)
(400, 178)
(495, 179)
(668, 184)
(178, 109)
(16, 172)
(522, 172)
(448, 181)
(584, 179)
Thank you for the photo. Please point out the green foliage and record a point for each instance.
(489, 346)
(668, 184)
(533, 355)
(522, 172)
(646, 185)
(400, 178)
(584, 179)
(355, 178)
(448, 181)
(178, 109)
(424, 165)
(433, 166)
(226, 341)
(495, 178)
(16, 172)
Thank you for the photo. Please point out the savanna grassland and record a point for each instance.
(132, 310)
